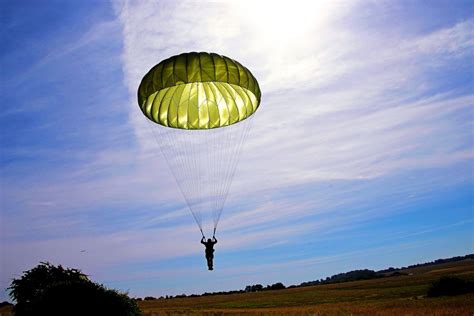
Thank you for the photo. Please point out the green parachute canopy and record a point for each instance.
(198, 91)
(195, 94)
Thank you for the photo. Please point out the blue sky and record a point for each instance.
(360, 156)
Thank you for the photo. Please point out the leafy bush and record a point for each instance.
(85, 298)
(50, 290)
(450, 286)
(33, 283)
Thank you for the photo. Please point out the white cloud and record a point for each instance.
(359, 102)
(354, 101)
(362, 111)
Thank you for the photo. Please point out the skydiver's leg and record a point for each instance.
(212, 260)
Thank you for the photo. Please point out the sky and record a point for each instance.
(360, 155)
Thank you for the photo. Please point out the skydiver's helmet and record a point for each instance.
(209, 240)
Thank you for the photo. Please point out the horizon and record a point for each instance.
(360, 155)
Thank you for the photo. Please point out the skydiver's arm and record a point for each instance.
(202, 240)
(215, 240)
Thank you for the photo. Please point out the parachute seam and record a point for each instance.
(250, 100)
(238, 91)
(230, 95)
(167, 109)
(233, 98)
(159, 105)
(214, 65)
(170, 104)
(200, 67)
(227, 68)
(227, 106)
(216, 102)
(152, 107)
(190, 90)
(179, 104)
(237, 67)
(174, 70)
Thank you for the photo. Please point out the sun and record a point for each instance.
(282, 21)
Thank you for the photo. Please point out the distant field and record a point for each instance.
(400, 295)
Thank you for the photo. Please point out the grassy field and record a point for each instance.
(400, 295)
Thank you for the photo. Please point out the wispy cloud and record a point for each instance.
(365, 129)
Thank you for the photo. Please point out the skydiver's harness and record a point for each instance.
(209, 251)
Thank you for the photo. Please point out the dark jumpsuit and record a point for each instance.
(209, 244)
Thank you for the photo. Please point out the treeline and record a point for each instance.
(438, 261)
(166, 297)
(370, 274)
(354, 275)
(248, 288)
(259, 287)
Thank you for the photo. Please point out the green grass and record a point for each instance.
(397, 295)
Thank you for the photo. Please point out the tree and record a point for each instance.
(32, 285)
(53, 291)
(449, 285)
(85, 298)
(257, 288)
(254, 288)
(277, 286)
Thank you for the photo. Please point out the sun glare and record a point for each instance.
(282, 20)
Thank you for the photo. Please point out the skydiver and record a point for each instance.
(209, 244)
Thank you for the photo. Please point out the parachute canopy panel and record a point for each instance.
(198, 91)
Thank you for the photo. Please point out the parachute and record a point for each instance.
(202, 105)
